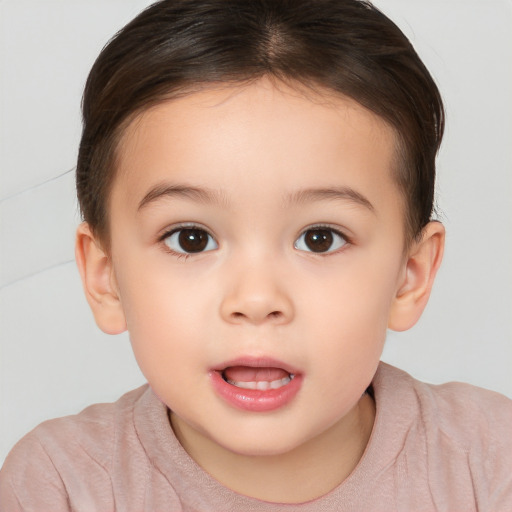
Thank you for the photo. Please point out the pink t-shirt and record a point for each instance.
(432, 448)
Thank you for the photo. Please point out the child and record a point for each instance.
(256, 180)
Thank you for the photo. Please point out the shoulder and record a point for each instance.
(467, 415)
(461, 434)
(466, 405)
(92, 430)
(460, 410)
(46, 460)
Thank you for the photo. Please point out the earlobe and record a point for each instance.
(95, 267)
(413, 292)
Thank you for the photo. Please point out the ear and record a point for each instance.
(423, 261)
(95, 267)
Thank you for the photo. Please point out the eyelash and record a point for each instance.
(179, 228)
(324, 227)
(316, 227)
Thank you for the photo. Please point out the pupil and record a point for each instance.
(193, 240)
(319, 240)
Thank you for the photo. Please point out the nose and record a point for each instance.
(256, 294)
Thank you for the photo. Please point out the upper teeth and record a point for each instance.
(263, 385)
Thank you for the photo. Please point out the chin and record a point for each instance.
(261, 447)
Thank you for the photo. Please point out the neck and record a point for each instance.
(302, 474)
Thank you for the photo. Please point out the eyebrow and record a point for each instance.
(208, 196)
(165, 190)
(335, 193)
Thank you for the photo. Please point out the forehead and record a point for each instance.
(226, 135)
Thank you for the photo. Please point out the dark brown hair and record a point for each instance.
(345, 46)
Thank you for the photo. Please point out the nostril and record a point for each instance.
(272, 315)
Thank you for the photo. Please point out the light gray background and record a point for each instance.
(53, 359)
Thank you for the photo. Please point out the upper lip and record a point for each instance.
(256, 362)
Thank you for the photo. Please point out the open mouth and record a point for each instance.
(256, 385)
(262, 379)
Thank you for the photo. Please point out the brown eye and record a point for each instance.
(320, 240)
(190, 240)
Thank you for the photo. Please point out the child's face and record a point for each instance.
(290, 204)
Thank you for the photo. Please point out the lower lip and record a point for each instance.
(253, 399)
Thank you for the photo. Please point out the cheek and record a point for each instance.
(162, 315)
(351, 308)
(356, 290)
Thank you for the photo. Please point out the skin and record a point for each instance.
(258, 290)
